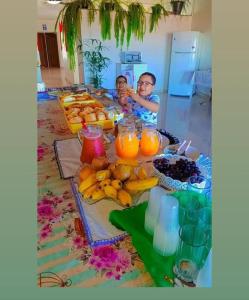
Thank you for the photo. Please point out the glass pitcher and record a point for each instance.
(92, 143)
(127, 143)
(151, 140)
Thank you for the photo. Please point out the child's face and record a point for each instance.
(145, 85)
(121, 84)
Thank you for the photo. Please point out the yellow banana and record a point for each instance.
(98, 194)
(112, 167)
(124, 197)
(105, 182)
(142, 174)
(117, 184)
(133, 175)
(122, 172)
(141, 184)
(127, 161)
(103, 174)
(110, 191)
(91, 179)
(88, 192)
(85, 172)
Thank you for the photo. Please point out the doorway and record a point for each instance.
(48, 49)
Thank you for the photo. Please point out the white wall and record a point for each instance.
(155, 48)
(202, 21)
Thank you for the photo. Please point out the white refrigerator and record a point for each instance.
(184, 61)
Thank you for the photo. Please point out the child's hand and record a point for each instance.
(123, 100)
(130, 92)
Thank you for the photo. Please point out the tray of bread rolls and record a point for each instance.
(89, 113)
(69, 98)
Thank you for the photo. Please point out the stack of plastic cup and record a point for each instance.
(152, 211)
(166, 235)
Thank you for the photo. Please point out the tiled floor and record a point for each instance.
(54, 77)
(184, 117)
(188, 119)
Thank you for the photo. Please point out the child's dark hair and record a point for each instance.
(153, 77)
(121, 76)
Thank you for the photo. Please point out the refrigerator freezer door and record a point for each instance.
(131, 72)
(185, 41)
(181, 78)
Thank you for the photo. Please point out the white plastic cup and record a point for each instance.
(166, 235)
(152, 211)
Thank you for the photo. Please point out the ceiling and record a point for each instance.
(48, 11)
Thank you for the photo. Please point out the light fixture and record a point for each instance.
(53, 1)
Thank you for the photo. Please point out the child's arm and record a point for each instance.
(152, 106)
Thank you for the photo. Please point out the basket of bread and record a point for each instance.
(92, 113)
(122, 181)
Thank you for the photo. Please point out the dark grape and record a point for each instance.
(181, 170)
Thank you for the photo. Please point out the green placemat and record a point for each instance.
(132, 221)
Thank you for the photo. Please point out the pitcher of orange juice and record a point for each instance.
(150, 140)
(127, 143)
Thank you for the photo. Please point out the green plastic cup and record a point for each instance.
(191, 251)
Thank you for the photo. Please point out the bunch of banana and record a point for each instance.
(118, 181)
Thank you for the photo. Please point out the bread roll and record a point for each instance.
(75, 120)
(88, 109)
(68, 98)
(101, 116)
(90, 117)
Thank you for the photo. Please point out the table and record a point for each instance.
(64, 258)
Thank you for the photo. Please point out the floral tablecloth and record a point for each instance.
(63, 256)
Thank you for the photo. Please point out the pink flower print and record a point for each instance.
(124, 259)
(58, 200)
(42, 150)
(78, 242)
(47, 227)
(106, 253)
(40, 153)
(109, 274)
(92, 261)
(117, 277)
(41, 123)
(44, 234)
(45, 201)
(45, 211)
(112, 261)
(45, 231)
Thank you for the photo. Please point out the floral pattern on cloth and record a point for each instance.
(112, 261)
(51, 209)
(42, 150)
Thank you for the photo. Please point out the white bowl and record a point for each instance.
(174, 184)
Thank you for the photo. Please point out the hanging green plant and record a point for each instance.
(119, 26)
(136, 21)
(70, 15)
(157, 12)
(179, 5)
(105, 8)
